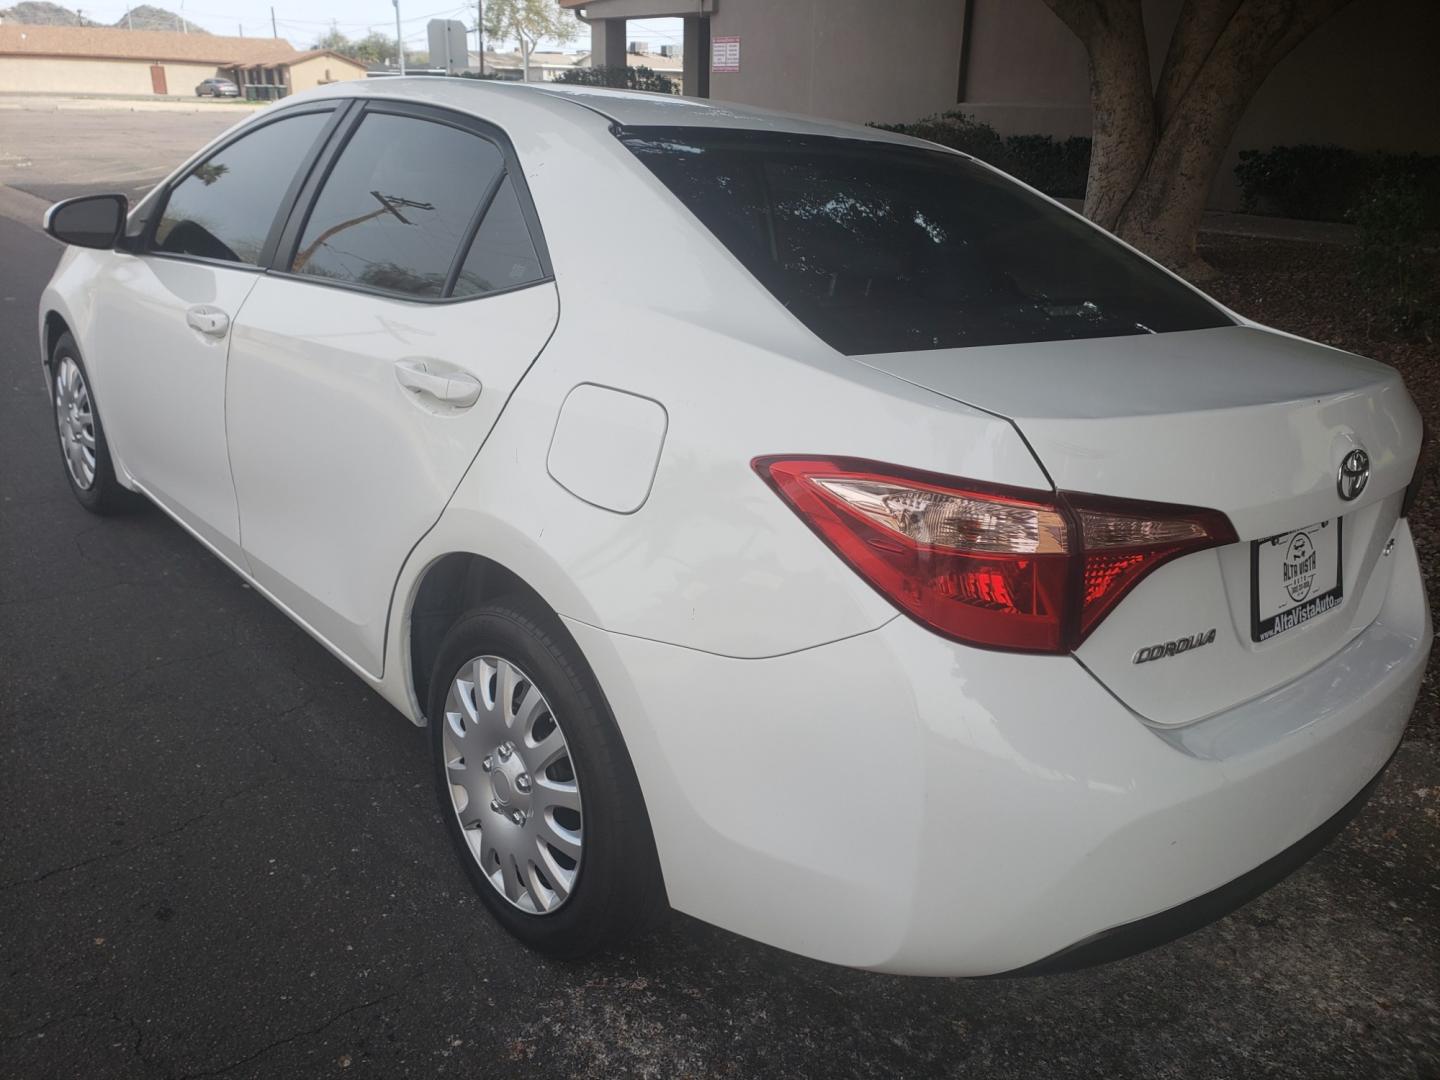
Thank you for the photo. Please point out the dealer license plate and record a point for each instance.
(1295, 577)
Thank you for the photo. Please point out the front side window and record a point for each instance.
(878, 247)
(398, 205)
(224, 208)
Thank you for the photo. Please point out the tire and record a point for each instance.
(616, 891)
(91, 475)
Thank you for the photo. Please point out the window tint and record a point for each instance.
(397, 205)
(883, 248)
(225, 207)
(503, 255)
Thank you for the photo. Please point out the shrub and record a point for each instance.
(1392, 255)
(1057, 167)
(620, 76)
(1330, 183)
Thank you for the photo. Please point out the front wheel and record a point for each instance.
(536, 788)
(83, 447)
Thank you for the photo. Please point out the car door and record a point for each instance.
(410, 293)
(162, 318)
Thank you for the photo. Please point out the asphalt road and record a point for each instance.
(219, 855)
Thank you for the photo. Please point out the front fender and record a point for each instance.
(55, 300)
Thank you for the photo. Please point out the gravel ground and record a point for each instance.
(1314, 290)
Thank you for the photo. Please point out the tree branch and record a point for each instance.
(1081, 16)
(1197, 30)
(1164, 212)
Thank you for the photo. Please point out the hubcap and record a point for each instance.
(513, 785)
(75, 421)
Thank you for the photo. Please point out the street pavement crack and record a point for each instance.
(162, 835)
(38, 1028)
(295, 1036)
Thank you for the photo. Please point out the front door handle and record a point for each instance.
(427, 378)
(209, 320)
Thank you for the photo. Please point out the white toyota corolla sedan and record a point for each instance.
(805, 527)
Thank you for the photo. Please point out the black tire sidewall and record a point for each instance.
(618, 890)
(105, 495)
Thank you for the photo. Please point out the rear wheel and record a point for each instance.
(83, 449)
(536, 788)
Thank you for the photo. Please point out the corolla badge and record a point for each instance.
(1354, 474)
(1166, 649)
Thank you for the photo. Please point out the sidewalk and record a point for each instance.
(123, 103)
(1262, 227)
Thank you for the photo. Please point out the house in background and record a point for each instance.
(510, 66)
(545, 66)
(105, 60)
(1365, 80)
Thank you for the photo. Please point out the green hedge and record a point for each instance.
(621, 77)
(1056, 166)
(1330, 183)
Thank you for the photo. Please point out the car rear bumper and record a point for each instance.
(1121, 941)
(899, 802)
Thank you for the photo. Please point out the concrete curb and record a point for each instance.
(22, 207)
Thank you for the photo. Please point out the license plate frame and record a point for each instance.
(1282, 611)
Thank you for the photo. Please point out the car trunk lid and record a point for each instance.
(1246, 421)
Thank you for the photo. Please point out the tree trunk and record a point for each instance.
(1122, 102)
(1163, 215)
(1122, 109)
(1152, 164)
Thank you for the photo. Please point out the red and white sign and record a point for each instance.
(725, 54)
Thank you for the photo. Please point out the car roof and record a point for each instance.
(582, 104)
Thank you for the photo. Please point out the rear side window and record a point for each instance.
(398, 205)
(884, 248)
(503, 255)
(225, 207)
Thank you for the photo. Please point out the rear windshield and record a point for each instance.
(884, 248)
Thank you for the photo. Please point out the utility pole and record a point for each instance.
(480, 33)
(273, 32)
(399, 37)
(129, 23)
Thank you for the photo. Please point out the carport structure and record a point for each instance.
(607, 19)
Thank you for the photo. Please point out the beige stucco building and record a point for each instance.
(1367, 79)
(103, 60)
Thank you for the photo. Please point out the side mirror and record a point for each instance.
(92, 221)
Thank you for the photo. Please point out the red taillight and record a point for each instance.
(998, 567)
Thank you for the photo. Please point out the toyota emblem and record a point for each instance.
(1354, 474)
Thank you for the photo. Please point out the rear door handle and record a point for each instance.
(428, 378)
(209, 320)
